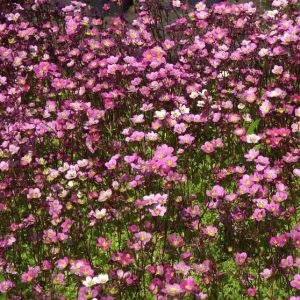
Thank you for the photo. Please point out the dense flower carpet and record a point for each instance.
(152, 159)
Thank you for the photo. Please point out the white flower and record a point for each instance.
(296, 172)
(99, 214)
(271, 13)
(175, 114)
(103, 278)
(45, 57)
(278, 3)
(82, 163)
(160, 114)
(223, 74)
(200, 103)
(203, 92)
(151, 136)
(137, 119)
(194, 94)
(89, 281)
(247, 118)
(184, 110)
(71, 183)
(265, 107)
(252, 138)
(71, 174)
(64, 168)
(104, 195)
(263, 52)
(200, 6)
(215, 106)
(176, 3)
(13, 149)
(241, 106)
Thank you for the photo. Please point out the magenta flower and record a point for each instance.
(143, 237)
(259, 214)
(176, 241)
(6, 286)
(4, 166)
(286, 262)
(158, 210)
(101, 124)
(62, 263)
(189, 284)
(251, 292)
(295, 283)
(266, 273)
(210, 231)
(103, 243)
(58, 279)
(34, 193)
(216, 192)
(182, 268)
(251, 155)
(208, 147)
(240, 258)
(173, 289)
(202, 268)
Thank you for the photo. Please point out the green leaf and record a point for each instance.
(208, 159)
(253, 126)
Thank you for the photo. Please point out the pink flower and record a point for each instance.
(266, 273)
(240, 258)
(158, 210)
(186, 139)
(168, 44)
(295, 283)
(251, 155)
(259, 214)
(216, 192)
(137, 119)
(286, 262)
(4, 166)
(277, 70)
(176, 241)
(59, 84)
(31, 274)
(189, 284)
(210, 231)
(180, 128)
(265, 107)
(208, 147)
(233, 118)
(6, 286)
(173, 289)
(58, 279)
(169, 161)
(103, 243)
(143, 237)
(251, 292)
(182, 268)
(62, 263)
(202, 268)
(34, 193)
(71, 26)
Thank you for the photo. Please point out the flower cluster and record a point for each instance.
(151, 159)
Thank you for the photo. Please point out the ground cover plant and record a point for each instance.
(156, 159)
